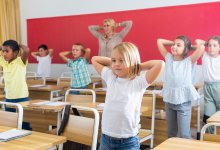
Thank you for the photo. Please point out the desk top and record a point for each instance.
(146, 111)
(41, 87)
(35, 141)
(46, 88)
(215, 117)
(29, 105)
(187, 144)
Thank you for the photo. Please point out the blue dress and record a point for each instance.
(178, 87)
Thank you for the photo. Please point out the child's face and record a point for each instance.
(8, 53)
(178, 47)
(213, 48)
(118, 65)
(43, 52)
(76, 51)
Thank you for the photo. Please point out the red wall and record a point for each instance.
(195, 21)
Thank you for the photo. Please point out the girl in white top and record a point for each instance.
(44, 58)
(127, 80)
(211, 73)
(178, 90)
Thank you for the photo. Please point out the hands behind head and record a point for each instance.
(24, 48)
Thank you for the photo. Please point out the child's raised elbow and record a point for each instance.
(161, 64)
(93, 60)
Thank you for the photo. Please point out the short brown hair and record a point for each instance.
(81, 47)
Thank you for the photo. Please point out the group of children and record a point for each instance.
(127, 79)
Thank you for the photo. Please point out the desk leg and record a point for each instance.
(198, 120)
(59, 119)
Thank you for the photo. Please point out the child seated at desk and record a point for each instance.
(78, 66)
(14, 73)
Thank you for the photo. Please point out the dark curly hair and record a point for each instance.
(12, 44)
(187, 44)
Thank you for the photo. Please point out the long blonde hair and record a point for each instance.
(131, 57)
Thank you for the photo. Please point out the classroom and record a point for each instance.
(109, 75)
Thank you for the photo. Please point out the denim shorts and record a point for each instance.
(111, 143)
(76, 92)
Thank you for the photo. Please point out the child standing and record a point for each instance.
(44, 58)
(14, 73)
(78, 65)
(211, 73)
(127, 80)
(178, 90)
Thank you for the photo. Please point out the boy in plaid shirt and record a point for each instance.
(78, 65)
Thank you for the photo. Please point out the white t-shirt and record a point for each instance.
(211, 68)
(44, 66)
(121, 115)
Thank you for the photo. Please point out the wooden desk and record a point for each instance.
(187, 144)
(46, 92)
(51, 81)
(42, 118)
(146, 111)
(35, 141)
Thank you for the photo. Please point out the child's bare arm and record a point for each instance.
(64, 54)
(25, 52)
(87, 53)
(51, 52)
(161, 44)
(200, 48)
(99, 62)
(34, 54)
(154, 68)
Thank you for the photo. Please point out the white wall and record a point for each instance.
(50, 8)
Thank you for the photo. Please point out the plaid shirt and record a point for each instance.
(80, 72)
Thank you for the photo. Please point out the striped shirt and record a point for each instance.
(80, 73)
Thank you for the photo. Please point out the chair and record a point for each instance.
(210, 137)
(66, 74)
(146, 134)
(85, 95)
(81, 129)
(31, 74)
(64, 81)
(11, 119)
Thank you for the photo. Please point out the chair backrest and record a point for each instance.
(66, 74)
(148, 103)
(36, 80)
(81, 129)
(31, 74)
(210, 137)
(85, 95)
(64, 81)
(11, 119)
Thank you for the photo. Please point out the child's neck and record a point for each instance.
(214, 56)
(75, 58)
(177, 58)
(11, 60)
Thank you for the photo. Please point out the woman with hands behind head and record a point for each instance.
(110, 38)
